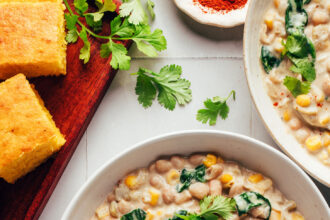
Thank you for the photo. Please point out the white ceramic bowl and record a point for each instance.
(288, 177)
(226, 20)
(264, 105)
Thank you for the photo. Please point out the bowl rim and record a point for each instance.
(171, 135)
(204, 18)
(245, 61)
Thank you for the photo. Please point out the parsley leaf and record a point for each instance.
(295, 86)
(150, 6)
(211, 208)
(171, 88)
(214, 108)
(134, 11)
(85, 50)
(119, 55)
(81, 6)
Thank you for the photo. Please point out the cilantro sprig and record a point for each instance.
(212, 207)
(130, 24)
(213, 108)
(168, 83)
(295, 86)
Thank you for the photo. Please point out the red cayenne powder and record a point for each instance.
(222, 5)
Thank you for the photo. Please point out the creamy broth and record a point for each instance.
(154, 189)
(307, 116)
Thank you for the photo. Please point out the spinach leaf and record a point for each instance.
(249, 200)
(269, 60)
(179, 213)
(136, 214)
(187, 177)
(296, 18)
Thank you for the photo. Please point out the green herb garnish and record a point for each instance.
(136, 214)
(249, 200)
(168, 83)
(211, 208)
(296, 18)
(187, 177)
(295, 86)
(215, 107)
(134, 26)
(268, 59)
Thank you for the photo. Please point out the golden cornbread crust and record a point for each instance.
(32, 39)
(28, 135)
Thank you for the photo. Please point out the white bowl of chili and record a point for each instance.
(219, 13)
(252, 154)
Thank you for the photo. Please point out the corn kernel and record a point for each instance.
(154, 196)
(255, 178)
(226, 178)
(325, 120)
(131, 181)
(326, 140)
(150, 216)
(277, 3)
(269, 23)
(210, 160)
(320, 98)
(159, 213)
(172, 176)
(275, 215)
(303, 100)
(297, 216)
(286, 115)
(220, 160)
(313, 143)
(278, 46)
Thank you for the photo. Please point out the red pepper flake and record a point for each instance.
(222, 5)
(282, 93)
(319, 105)
(275, 104)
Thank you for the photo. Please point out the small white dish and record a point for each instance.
(263, 103)
(219, 19)
(287, 176)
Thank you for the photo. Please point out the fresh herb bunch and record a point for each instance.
(130, 24)
(188, 176)
(169, 84)
(211, 208)
(215, 107)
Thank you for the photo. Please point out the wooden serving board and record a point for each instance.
(72, 100)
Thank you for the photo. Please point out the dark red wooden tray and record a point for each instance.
(72, 100)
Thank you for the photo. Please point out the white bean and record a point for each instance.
(215, 187)
(178, 162)
(124, 207)
(199, 190)
(295, 123)
(182, 197)
(302, 134)
(162, 166)
(196, 159)
(156, 181)
(320, 17)
(213, 171)
(326, 84)
(168, 195)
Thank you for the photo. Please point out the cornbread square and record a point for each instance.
(32, 39)
(28, 134)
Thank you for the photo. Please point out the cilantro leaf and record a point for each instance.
(147, 42)
(297, 45)
(72, 36)
(93, 21)
(81, 6)
(71, 21)
(119, 57)
(217, 206)
(150, 6)
(214, 108)
(171, 88)
(96, 17)
(134, 11)
(295, 86)
(305, 67)
(85, 50)
(121, 28)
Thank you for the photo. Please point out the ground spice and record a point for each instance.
(222, 5)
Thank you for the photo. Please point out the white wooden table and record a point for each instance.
(211, 58)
